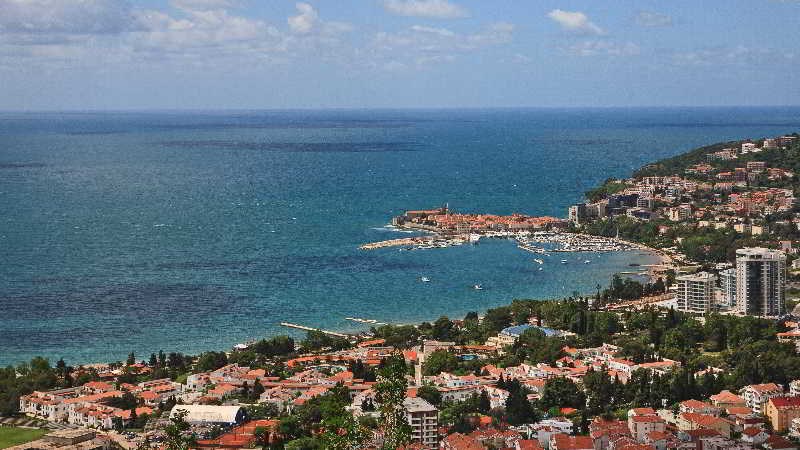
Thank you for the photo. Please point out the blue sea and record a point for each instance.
(189, 231)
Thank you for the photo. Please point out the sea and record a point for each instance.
(195, 230)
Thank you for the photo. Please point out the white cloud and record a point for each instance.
(305, 21)
(439, 31)
(603, 48)
(435, 9)
(653, 19)
(203, 5)
(738, 56)
(419, 46)
(65, 17)
(575, 21)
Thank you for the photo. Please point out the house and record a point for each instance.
(641, 426)
(210, 414)
(696, 406)
(756, 395)
(754, 436)
(560, 441)
(780, 412)
(603, 432)
(794, 428)
(727, 399)
(779, 443)
(693, 421)
(458, 441)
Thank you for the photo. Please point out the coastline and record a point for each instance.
(452, 313)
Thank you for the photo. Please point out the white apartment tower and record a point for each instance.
(695, 292)
(424, 420)
(760, 281)
(727, 283)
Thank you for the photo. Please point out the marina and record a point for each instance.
(557, 242)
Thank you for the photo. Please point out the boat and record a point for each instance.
(425, 279)
(474, 237)
(563, 261)
(477, 287)
(539, 261)
(586, 262)
(540, 268)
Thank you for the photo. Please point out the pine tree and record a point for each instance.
(391, 391)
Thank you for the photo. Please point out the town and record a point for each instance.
(704, 356)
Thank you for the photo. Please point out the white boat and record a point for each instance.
(563, 261)
(586, 262)
(477, 287)
(539, 261)
(474, 237)
(425, 279)
(540, 268)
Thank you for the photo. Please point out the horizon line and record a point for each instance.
(381, 108)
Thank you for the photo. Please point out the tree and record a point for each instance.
(131, 359)
(430, 394)
(442, 329)
(518, 409)
(440, 361)
(390, 393)
(258, 389)
(599, 390)
(209, 361)
(175, 433)
(562, 392)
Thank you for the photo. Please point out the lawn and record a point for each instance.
(11, 436)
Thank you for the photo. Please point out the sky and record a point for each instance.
(265, 54)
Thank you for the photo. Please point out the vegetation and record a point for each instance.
(11, 436)
(609, 187)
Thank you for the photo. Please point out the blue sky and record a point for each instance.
(114, 54)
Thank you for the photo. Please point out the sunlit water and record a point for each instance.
(191, 231)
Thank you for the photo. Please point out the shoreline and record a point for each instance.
(355, 332)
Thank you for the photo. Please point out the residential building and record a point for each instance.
(641, 426)
(560, 441)
(757, 395)
(424, 421)
(695, 292)
(760, 281)
(696, 406)
(781, 411)
(211, 414)
(794, 388)
(727, 399)
(727, 282)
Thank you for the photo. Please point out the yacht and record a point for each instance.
(425, 279)
(539, 261)
(477, 287)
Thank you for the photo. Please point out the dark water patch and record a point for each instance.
(203, 265)
(291, 124)
(298, 147)
(22, 165)
(573, 141)
(120, 300)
